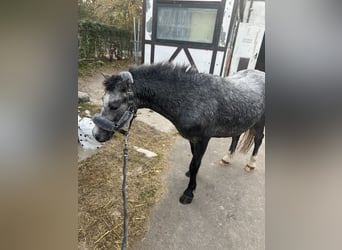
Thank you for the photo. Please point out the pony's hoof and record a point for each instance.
(224, 163)
(249, 168)
(184, 199)
(187, 174)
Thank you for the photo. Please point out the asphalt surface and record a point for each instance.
(228, 210)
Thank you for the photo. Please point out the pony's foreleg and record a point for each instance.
(252, 161)
(187, 174)
(228, 158)
(198, 149)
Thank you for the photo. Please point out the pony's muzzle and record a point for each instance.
(101, 135)
(104, 128)
(104, 123)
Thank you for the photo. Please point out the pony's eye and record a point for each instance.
(113, 106)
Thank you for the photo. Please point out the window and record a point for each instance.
(243, 63)
(186, 24)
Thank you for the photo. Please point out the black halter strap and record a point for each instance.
(131, 105)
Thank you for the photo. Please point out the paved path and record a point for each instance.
(226, 213)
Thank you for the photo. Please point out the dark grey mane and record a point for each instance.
(162, 71)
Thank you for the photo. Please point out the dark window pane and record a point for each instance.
(243, 63)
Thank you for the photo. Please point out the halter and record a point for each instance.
(127, 76)
(127, 117)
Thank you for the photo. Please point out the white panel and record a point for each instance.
(147, 54)
(148, 18)
(259, 34)
(218, 63)
(163, 53)
(226, 22)
(257, 16)
(247, 45)
(202, 59)
(181, 58)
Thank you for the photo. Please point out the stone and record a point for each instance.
(147, 153)
(83, 96)
(87, 113)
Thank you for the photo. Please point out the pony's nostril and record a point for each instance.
(96, 135)
(101, 135)
(99, 138)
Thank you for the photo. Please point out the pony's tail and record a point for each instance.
(247, 141)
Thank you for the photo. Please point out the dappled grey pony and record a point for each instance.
(200, 106)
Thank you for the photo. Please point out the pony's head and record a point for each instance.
(115, 102)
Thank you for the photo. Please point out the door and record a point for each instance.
(247, 47)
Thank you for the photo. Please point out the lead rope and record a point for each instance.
(125, 158)
(125, 224)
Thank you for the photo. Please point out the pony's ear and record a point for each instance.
(105, 75)
(127, 76)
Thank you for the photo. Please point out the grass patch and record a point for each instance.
(92, 108)
(100, 212)
(90, 68)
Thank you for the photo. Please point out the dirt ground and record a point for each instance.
(93, 84)
(100, 179)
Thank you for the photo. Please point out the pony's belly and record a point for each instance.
(228, 131)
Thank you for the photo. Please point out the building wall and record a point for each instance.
(249, 38)
(206, 58)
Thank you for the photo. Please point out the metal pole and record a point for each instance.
(135, 42)
(138, 41)
(250, 10)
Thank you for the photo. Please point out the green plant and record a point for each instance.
(95, 38)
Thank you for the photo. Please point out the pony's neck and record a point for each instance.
(154, 98)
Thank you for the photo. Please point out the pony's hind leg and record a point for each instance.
(228, 158)
(198, 149)
(259, 135)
